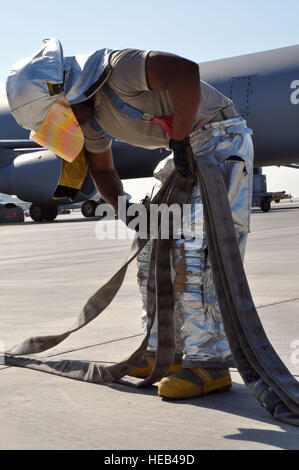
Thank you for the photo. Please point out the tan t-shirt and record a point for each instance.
(128, 80)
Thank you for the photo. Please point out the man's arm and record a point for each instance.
(105, 177)
(180, 77)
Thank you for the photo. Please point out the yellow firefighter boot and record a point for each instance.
(146, 366)
(190, 383)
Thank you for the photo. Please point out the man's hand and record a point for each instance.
(182, 156)
(105, 177)
(180, 77)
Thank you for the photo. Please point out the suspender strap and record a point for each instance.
(166, 123)
(96, 127)
(121, 105)
(125, 108)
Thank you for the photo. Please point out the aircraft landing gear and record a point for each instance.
(88, 209)
(40, 213)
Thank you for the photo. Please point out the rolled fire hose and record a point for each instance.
(261, 369)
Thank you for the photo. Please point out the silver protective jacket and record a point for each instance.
(79, 78)
(201, 340)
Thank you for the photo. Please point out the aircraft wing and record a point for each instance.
(18, 144)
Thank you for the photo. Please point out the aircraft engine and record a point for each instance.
(32, 176)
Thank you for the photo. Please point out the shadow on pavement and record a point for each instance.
(237, 401)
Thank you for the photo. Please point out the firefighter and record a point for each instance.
(75, 106)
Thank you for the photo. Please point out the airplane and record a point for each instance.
(265, 88)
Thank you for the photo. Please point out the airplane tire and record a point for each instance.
(88, 208)
(50, 213)
(39, 213)
(36, 212)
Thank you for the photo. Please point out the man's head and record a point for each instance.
(51, 95)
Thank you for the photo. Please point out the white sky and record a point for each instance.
(195, 29)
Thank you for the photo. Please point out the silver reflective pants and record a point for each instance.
(200, 337)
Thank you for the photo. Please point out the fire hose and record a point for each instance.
(261, 369)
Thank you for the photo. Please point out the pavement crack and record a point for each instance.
(279, 302)
(94, 345)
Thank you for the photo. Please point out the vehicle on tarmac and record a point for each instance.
(11, 213)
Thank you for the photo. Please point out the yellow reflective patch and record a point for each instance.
(73, 173)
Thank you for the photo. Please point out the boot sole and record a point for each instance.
(226, 388)
(141, 375)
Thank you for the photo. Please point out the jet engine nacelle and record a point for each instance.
(34, 177)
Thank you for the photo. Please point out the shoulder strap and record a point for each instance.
(121, 105)
(125, 108)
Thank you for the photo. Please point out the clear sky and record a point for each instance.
(197, 29)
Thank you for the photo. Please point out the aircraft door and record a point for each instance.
(240, 92)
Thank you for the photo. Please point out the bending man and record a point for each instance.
(151, 100)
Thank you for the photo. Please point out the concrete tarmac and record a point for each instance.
(49, 270)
